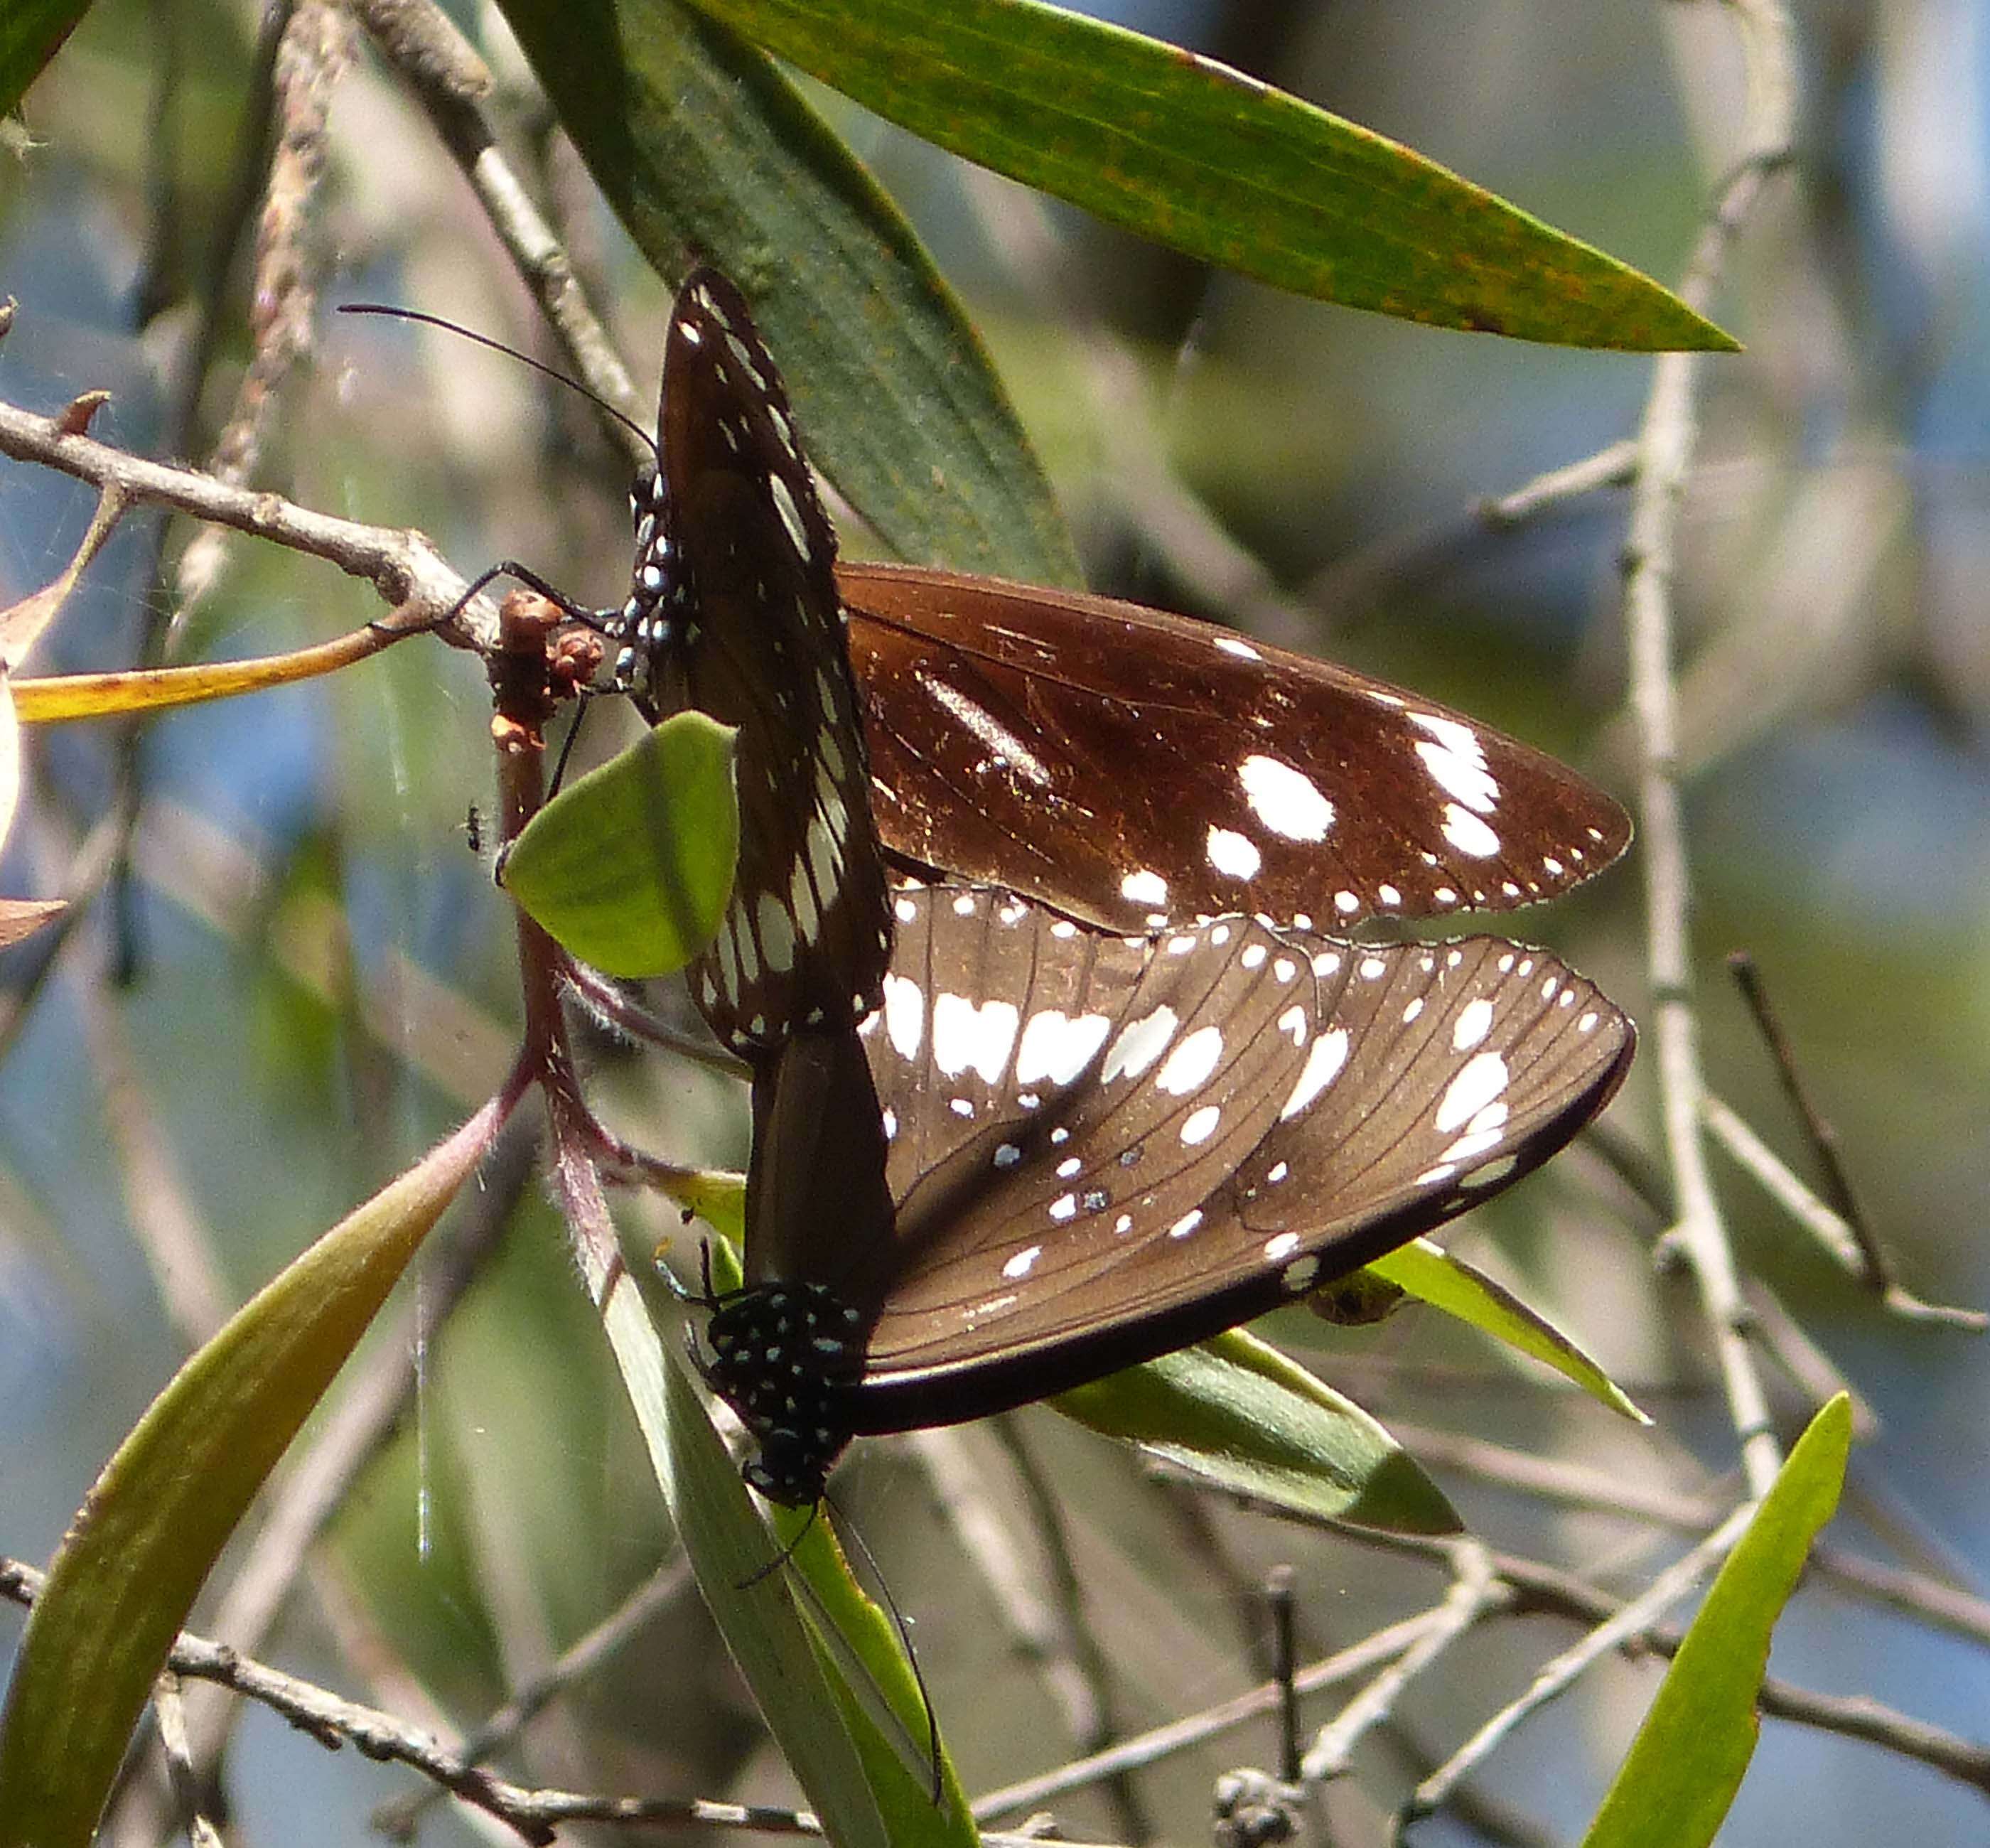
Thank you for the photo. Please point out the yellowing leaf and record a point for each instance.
(143, 1542)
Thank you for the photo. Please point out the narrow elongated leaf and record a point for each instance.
(629, 867)
(1192, 154)
(701, 145)
(31, 33)
(127, 1572)
(1428, 1271)
(728, 1547)
(10, 757)
(1686, 1763)
(1238, 1413)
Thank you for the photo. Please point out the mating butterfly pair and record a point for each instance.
(1052, 1152)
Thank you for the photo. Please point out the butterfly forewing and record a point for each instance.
(1256, 1112)
(1134, 768)
(735, 610)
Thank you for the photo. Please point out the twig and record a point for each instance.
(1549, 1591)
(446, 76)
(1091, 1722)
(1665, 448)
(171, 1709)
(1474, 1592)
(663, 1587)
(1612, 467)
(1842, 1230)
(311, 56)
(401, 565)
(962, 1495)
(1182, 1735)
(1631, 1621)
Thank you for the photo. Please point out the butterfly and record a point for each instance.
(1133, 769)
(1054, 1152)
(734, 609)
(1101, 1085)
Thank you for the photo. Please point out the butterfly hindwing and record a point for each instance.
(1236, 1113)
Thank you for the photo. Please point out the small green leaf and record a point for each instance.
(1683, 1768)
(145, 1539)
(1192, 154)
(31, 33)
(631, 867)
(702, 148)
(729, 1548)
(1428, 1271)
(1239, 1414)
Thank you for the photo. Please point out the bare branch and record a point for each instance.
(401, 564)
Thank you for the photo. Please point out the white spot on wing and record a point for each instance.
(1284, 799)
(966, 1036)
(1139, 1045)
(1474, 1022)
(791, 514)
(777, 934)
(1019, 1266)
(1468, 834)
(1234, 855)
(1231, 644)
(1057, 1047)
(1324, 1062)
(1456, 761)
(1000, 742)
(1144, 888)
(1479, 1081)
(1189, 1065)
(904, 1015)
(1201, 1124)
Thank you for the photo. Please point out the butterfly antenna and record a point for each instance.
(786, 1554)
(497, 346)
(937, 1791)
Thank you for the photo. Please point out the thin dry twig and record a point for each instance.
(662, 1588)
(1665, 449)
(1614, 466)
(1555, 1677)
(401, 564)
(1474, 1593)
(1838, 1222)
(1093, 1724)
(446, 76)
(1182, 1735)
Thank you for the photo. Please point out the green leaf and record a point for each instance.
(1194, 154)
(31, 33)
(1237, 1413)
(143, 1542)
(631, 867)
(832, 1686)
(1686, 1763)
(729, 1548)
(701, 145)
(1428, 1271)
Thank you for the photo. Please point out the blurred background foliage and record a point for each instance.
(319, 966)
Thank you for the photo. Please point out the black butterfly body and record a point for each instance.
(1097, 1149)
(734, 609)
